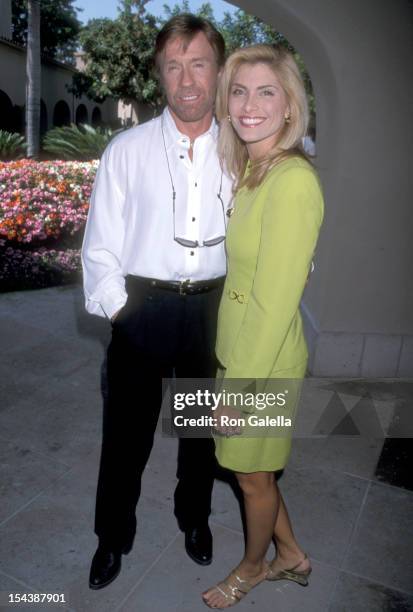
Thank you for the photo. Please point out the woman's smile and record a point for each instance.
(251, 122)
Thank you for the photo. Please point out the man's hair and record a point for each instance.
(187, 26)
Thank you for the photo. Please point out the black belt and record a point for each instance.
(185, 287)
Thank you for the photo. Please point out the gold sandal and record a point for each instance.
(233, 588)
(290, 574)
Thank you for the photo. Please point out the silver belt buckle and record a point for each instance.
(183, 286)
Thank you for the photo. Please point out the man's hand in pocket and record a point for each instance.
(112, 319)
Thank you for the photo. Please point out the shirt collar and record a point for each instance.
(173, 137)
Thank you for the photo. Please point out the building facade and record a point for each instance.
(58, 106)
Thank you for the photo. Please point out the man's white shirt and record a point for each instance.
(130, 227)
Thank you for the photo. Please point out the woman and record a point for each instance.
(278, 210)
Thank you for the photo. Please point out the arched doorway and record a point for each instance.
(61, 114)
(6, 113)
(96, 117)
(81, 114)
(18, 119)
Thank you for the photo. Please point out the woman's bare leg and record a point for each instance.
(261, 507)
(266, 518)
(289, 553)
(261, 502)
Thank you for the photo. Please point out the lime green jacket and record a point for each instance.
(271, 241)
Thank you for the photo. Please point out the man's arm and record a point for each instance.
(103, 280)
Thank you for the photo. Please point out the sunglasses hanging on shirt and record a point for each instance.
(185, 242)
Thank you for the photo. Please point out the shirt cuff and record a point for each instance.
(112, 302)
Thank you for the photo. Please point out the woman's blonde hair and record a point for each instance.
(232, 150)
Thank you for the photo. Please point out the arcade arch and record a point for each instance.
(81, 114)
(6, 111)
(61, 114)
(96, 117)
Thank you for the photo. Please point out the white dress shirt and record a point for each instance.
(130, 227)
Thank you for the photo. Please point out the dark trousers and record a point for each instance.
(156, 335)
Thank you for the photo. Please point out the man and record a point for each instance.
(154, 263)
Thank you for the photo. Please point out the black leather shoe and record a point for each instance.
(105, 567)
(198, 544)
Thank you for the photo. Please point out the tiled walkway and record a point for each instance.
(357, 529)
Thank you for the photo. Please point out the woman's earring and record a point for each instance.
(229, 118)
(288, 119)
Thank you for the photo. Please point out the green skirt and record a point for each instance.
(265, 442)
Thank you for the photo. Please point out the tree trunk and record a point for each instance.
(33, 82)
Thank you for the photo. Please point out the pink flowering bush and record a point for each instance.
(43, 211)
(43, 199)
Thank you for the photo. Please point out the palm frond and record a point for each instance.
(74, 142)
(12, 146)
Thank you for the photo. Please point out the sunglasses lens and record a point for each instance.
(187, 243)
(214, 241)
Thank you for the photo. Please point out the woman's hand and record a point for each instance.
(229, 421)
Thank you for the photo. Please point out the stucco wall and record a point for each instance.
(54, 81)
(11, 66)
(5, 19)
(360, 299)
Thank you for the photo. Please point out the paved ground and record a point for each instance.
(356, 528)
